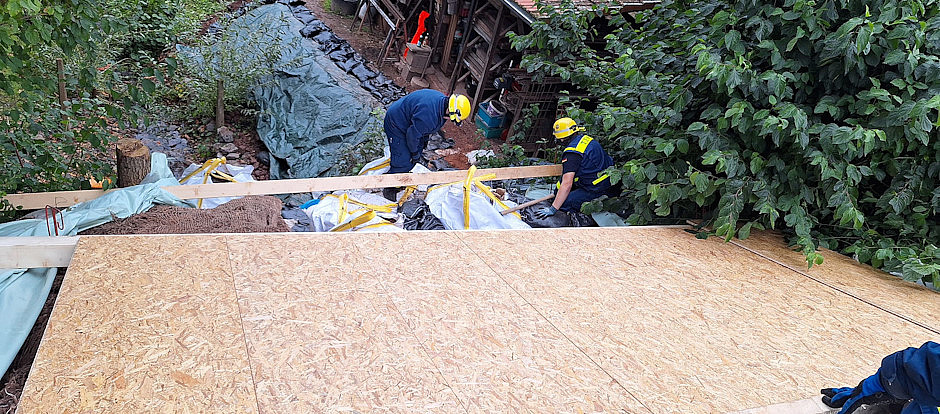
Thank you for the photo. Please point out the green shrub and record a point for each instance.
(45, 146)
(239, 56)
(817, 117)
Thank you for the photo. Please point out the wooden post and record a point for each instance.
(219, 104)
(449, 44)
(133, 162)
(60, 68)
(463, 47)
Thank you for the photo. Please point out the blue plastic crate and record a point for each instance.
(488, 132)
(490, 121)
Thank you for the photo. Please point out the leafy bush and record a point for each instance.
(812, 116)
(45, 146)
(238, 56)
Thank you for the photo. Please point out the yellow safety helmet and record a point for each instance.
(564, 127)
(458, 109)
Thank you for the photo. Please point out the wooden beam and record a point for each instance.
(32, 201)
(27, 252)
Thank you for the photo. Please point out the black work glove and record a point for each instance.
(868, 392)
(416, 158)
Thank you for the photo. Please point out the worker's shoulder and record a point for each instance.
(426, 94)
(579, 143)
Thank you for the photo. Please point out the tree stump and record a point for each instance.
(133, 162)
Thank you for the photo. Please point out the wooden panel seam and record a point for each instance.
(550, 323)
(241, 322)
(838, 289)
(386, 295)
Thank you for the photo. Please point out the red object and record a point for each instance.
(421, 29)
(58, 220)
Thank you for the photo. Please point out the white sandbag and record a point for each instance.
(328, 213)
(381, 166)
(241, 174)
(447, 203)
(475, 156)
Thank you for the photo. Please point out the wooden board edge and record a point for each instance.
(32, 201)
(30, 252)
(807, 406)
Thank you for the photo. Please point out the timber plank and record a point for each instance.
(27, 252)
(31, 201)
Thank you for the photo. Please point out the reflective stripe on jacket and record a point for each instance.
(593, 161)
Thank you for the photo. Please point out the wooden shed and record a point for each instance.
(467, 41)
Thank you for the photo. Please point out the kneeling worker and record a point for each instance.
(582, 164)
(410, 120)
(908, 382)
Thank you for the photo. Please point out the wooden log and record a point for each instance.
(133, 162)
(31, 201)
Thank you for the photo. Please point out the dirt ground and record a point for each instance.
(368, 43)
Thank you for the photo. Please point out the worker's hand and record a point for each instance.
(416, 158)
(869, 392)
(545, 212)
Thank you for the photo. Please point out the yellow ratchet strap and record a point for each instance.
(478, 182)
(387, 208)
(222, 176)
(382, 165)
(408, 191)
(209, 166)
(351, 224)
(486, 190)
(466, 196)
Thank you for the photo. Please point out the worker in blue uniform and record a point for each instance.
(410, 120)
(582, 177)
(908, 382)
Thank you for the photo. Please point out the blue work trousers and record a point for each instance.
(579, 196)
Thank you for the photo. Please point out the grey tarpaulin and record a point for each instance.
(311, 111)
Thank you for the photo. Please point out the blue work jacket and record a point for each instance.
(593, 160)
(914, 373)
(412, 118)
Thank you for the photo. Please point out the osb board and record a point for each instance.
(686, 324)
(565, 320)
(890, 292)
(808, 406)
(403, 322)
(143, 324)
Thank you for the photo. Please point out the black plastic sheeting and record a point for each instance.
(345, 57)
(418, 216)
(318, 106)
(559, 219)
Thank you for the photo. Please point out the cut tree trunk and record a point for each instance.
(133, 162)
